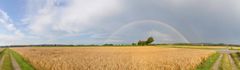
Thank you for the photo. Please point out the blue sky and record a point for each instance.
(118, 21)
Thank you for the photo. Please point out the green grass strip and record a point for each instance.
(7, 64)
(226, 64)
(22, 63)
(207, 64)
(236, 59)
(1, 53)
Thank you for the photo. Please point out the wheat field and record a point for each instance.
(113, 58)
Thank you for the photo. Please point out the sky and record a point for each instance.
(24, 22)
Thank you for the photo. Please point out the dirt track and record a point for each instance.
(15, 64)
(218, 62)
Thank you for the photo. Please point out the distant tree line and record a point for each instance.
(108, 45)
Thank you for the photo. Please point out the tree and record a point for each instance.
(133, 44)
(149, 40)
(141, 43)
(108, 45)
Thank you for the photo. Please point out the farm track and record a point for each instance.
(234, 67)
(14, 63)
(217, 63)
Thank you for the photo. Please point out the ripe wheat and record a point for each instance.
(114, 58)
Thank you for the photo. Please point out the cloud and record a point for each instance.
(9, 31)
(93, 21)
(59, 17)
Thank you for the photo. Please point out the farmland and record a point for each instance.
(114, 58)
(162, 57)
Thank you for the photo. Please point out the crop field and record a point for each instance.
(113, 58)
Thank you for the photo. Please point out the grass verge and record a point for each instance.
(226, 64)
(22, 63)
(207, 64)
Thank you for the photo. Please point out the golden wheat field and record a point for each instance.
(114, 58)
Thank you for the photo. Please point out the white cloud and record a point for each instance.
(11, 33)
(50, 18)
